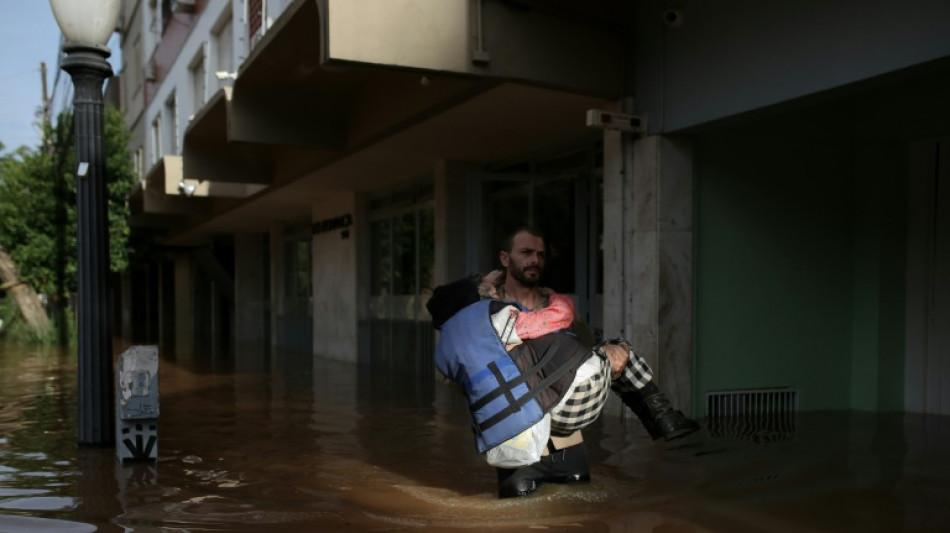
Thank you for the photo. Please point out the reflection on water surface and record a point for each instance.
(340, 449)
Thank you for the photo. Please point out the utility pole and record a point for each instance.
(47, 142)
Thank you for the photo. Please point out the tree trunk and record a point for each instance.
(26, 298)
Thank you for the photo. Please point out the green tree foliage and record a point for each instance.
(122, 181)
(38, 205)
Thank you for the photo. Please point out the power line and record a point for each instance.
(59, 70)
(19, 74)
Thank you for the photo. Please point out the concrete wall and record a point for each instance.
(880, 241)
(335, 296)
(775, 274)
(731, 56)
(829, 183)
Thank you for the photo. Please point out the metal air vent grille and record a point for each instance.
(761, 415)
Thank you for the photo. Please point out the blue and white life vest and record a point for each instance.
(503, 398)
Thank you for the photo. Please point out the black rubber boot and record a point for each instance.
(569, 465)
(657, 414)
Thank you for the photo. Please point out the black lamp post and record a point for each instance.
(87, 25)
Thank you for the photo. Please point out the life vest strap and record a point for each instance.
(505, 387)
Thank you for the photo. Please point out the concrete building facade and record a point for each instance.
(312, 169)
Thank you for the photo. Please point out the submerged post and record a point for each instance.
(136, 404)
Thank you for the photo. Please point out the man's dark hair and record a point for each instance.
(508, 242)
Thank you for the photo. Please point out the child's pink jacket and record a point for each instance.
(559, 314)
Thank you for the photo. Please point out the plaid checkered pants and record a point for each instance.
(586, 400)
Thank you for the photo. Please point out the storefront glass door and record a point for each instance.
(565, 207)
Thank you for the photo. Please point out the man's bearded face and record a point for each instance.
(525, 261)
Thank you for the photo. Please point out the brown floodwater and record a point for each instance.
(331, 446)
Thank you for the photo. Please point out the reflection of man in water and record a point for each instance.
(568, 378)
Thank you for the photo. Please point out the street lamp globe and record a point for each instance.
(89, 22)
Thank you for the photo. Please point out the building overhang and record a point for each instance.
(575, 48)
(330, 74)
(210, 157)
(306, 118)
(503, 123)
(157, 203)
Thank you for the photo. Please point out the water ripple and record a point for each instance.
(42, 503)
(28, 524)
(4, 492)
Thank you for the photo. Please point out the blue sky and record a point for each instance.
(29, 36)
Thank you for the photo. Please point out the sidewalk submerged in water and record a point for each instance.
(340, 448)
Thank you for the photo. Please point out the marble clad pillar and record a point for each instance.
(648, 243)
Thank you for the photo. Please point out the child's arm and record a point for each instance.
(559, 314)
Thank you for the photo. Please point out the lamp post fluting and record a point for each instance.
(88, 68)
(87, 24)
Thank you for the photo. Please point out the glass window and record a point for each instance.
(171, 124)
(166, 14)
(562, 196)
(157, 140)
(297, 267)
(198, 76)
(427, 250)
(547, 204)
(140, 163)
(303, 267)
(381, 270)
(134, 69)
(255, 9)
(554, 213)
(402, 253)
(223, 51)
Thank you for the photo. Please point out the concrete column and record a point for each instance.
(648, 243)
(184, 306)
(335, 268)
(449, 178)
(250, 310)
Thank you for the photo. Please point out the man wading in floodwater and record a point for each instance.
(531, 383)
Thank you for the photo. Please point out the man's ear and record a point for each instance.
(503, 257)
